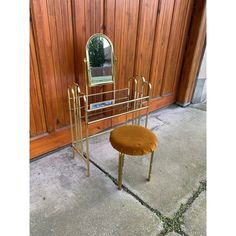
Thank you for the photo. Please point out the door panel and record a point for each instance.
(145, 37)
(125, 35)
(37, 115)
(175, 47)
(162, 34)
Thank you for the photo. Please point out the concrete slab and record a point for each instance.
(179, 164)
(200, 106)
(172, 234)
(64, 202)
(195, 217)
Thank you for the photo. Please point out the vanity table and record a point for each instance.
(86, 108)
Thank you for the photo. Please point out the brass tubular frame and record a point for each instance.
(87, 134)
(79, 118)
(75, 120)
(149, 94)
(74, 95)
(139, 94)
(120, 103)
(75, 116)
(113, 116)
(70, 114)
(135, 96)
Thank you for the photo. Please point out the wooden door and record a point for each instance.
(149, 38)
(54, 46)
(37, 112)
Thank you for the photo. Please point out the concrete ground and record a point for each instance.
(66, 202)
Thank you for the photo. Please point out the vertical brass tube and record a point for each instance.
(75, 117)
(80, 122)
(114, 77)
(148, 103)
(128, 99)
(85, 76)
(87, 134)
(142, 82)
(71, 122)
(135, 96)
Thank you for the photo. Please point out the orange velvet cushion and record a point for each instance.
(133, 140)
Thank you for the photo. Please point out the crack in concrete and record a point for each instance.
(169, 224)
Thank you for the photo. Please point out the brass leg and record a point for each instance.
(120, 169)
(150, 167)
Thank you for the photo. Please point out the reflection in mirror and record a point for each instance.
(100, 61)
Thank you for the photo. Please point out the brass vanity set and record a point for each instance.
(131, 104)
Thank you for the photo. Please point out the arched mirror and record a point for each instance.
(100, 57)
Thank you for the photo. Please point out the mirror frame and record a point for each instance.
(88, 62)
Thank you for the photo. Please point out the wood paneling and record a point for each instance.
(37, 115)
(126, 24)
(52, 25)
(179, 27)
(165, 14)
(43, 42)
(193, 54)
(149, 38)
(145, 37)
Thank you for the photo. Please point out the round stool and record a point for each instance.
(133, 140)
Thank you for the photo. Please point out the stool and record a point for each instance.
(133, 140)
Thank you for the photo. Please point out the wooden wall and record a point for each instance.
(149, 38)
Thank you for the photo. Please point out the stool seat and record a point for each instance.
(133, 140)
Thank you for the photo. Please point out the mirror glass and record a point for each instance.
(99, 52)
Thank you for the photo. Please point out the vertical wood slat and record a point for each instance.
(126, 24)
(42, 33)
(160, 46)
(175, 46)
(145, 37)
(32, 122)
(53, 29)
(37, 115)
(61, 33)
(78, 8)
(55, 26)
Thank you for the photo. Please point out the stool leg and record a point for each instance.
(150, 167)
(120, 170)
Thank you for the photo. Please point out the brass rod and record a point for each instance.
(79, 121)
(135, 96)
(105, 118)
(149, 93)
(71, 123)
(141, 95)
(102, 101)
(85, 76)
(120, 103)
(75, 114)
(101, 93)
(87, 134)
